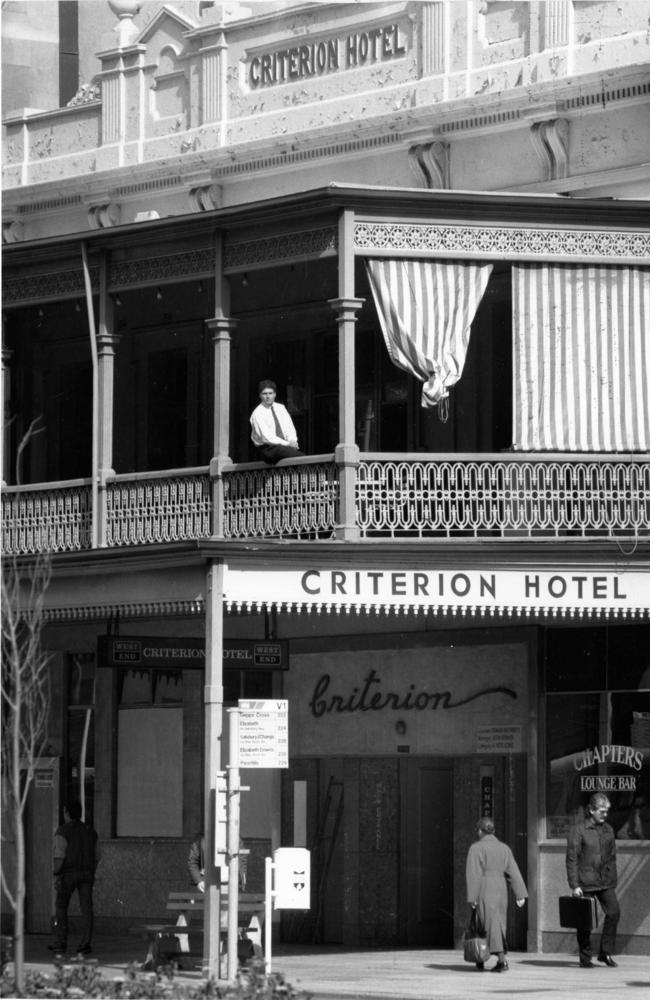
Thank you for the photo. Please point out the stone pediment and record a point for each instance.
(167, 29)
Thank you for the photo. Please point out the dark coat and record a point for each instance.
(591, 856)
(491, 867)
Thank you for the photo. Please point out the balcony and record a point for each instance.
(405, 496)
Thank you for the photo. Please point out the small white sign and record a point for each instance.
(264, 733)
(498, 739)
(292, 878)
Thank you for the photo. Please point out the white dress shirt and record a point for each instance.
(263, 425)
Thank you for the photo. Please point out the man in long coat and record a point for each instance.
(491, 867)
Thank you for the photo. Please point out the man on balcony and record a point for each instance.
(273, 432)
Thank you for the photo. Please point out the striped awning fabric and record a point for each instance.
(581, 349)
(426, 309)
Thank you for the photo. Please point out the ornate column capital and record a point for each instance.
(346, 308)
(221, 327)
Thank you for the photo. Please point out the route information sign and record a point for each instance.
(264, 733)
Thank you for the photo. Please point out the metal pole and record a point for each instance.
(213, 701)
(233, 843)
(94, 485)
(268, 912)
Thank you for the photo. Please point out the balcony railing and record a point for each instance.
(397, 496)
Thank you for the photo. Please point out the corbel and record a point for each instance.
(551, 142)
(430, 162)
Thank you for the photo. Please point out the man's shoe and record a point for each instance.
(480, 966)
(586, 963)
(607, 960)
(57, 948)
(500, 967)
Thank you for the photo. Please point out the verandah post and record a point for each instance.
(347, 452)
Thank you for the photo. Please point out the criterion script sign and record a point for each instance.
(264, 733)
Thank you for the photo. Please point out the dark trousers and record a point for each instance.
(272, 453)
(65, 886)
(609, 902)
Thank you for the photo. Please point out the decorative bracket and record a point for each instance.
(430, 161)
(551, 142)
(205, 197)
(13, 231)
(104, 216)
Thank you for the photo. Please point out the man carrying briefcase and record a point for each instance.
(591, 871)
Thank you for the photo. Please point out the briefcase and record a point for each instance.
(579, 912)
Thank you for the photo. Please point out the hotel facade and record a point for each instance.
(428, 224)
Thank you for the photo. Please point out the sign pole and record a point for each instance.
(233, 843)
(213, 702)
(268, 914)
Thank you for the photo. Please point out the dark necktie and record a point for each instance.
(278, 426)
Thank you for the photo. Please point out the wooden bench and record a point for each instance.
(169, 942)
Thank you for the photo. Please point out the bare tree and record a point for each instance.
(25, 699)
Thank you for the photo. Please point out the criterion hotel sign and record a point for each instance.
(480, 590)
(288, 64)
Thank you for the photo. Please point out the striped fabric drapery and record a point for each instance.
(581, 358)
(426, 310)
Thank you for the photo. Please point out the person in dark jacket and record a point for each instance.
(491, 868)
(76, 854)
(591, 871)
(196, 863)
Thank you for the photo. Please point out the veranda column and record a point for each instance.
(6, 412)
(213, 703)
(347, 451)
(107, 341)
(220, 326)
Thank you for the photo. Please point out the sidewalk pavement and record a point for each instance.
(338, 973)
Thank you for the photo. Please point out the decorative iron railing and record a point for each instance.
(46, 518)
(397, 496)
(489, 495)
(158, 507)
(292, 501)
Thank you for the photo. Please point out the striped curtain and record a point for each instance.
(581, 358)
(426, 310)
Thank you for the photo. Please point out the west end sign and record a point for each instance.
(483, 591)
(187, 653)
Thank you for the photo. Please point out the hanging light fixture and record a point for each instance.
(159, 294)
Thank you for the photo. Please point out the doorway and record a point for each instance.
(427, 859)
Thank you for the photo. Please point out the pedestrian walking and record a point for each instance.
(591, 871)
(490, 869)
(76, 855)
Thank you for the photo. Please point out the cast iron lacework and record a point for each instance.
(526, 498)
(284, 246)
(173, 267)
(56, 520)
(41, 287)
(406, 498)
(501, 241)
(169, 509)
(290, 502)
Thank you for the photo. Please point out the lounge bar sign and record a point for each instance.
(481, 591)
(609, 755)
(187, 654)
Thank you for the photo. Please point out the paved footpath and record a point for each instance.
(337, 973)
